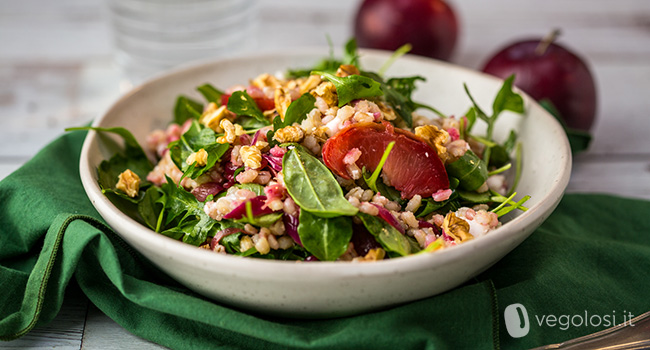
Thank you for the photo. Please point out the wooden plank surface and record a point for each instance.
(56, 70)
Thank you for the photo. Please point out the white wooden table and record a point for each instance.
(56, 70)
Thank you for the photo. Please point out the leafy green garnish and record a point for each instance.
(352, 87)
(241, 103)
(325, 238)
(312, 186)
(296, 113)
(470, 170)
(197, 137)
(185, 109)
(182, 206)
(211, 93)
(372, 180)
(401, 51)
(428, 205)
(132, 157)
(151, 209)
(388, 236)
(505, 100)
(330, 64)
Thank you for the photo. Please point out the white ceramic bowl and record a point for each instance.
(330, 289)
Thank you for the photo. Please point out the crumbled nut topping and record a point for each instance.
(291, 133)
(251, 156)
(266, 80)
(129, 183)
(346, 70)
(436, 138)
(200, 157)
(310, 84)
(282, 101)
(456, 228)
(212, 116)
(327, 91)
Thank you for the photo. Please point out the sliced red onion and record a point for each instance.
(422, 223)
(274, 163)
(388, 216)
(204, 190)
(291, 227)
(363, 240)
(221, 234)
(245, 139)
(257, 207)
(255, 137)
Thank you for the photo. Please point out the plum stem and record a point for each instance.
(547, 41)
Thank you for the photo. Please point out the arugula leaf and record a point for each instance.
(241, 103)
(352, 87)
(388, 236)
(475, 197)
(401, 51)
(150, 208)
(350, 54)
(298, 109)
(185, 109)
(325, 238)
(507, 100)
(372, 180)
(429, 205)
(471, 119)
(265, 220)
(250, 124)
(255, 188)
(296, 113)
(131, 157)
(182, 205)
(211, 93)
(197, 137)
(312, 186)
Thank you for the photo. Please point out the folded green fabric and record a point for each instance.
(588, 262)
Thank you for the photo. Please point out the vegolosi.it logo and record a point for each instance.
(516, 318)
(518, 323)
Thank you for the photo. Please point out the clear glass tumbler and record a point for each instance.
(151, 36)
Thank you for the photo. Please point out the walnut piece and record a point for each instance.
(456, 228)
(129, 183)
(436, 138)
(291, 133)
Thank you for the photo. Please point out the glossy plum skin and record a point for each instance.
(412, 167)
(557, 75)
(430, 26)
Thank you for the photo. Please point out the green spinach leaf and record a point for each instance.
(326, 238)
(185, 109)
(211, 93)
(241, 103)
(388, 236)
(470, 170)
(312, 186)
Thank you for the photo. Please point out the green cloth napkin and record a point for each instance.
(590, 258)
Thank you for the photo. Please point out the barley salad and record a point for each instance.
(328, 163)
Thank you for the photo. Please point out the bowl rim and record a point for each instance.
(289, 269)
